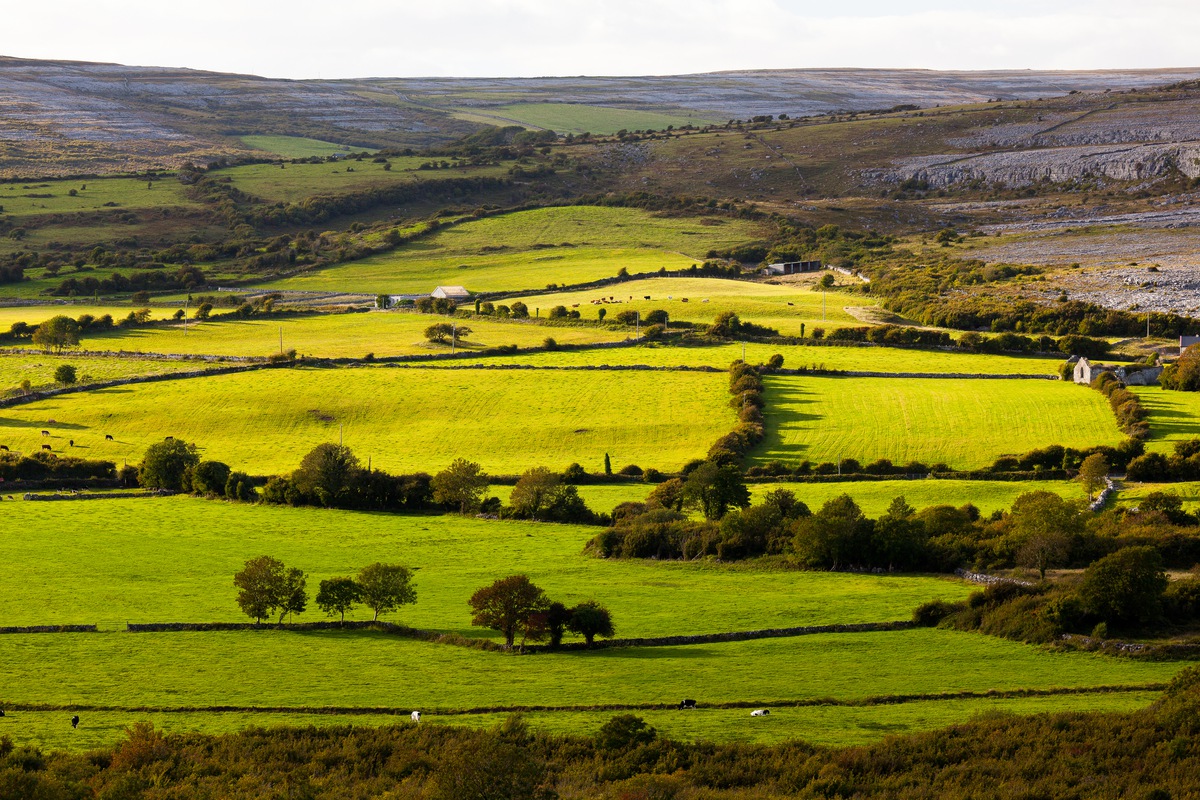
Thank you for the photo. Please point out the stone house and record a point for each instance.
(1130, 375)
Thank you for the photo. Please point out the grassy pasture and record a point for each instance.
(872, 496)
(405, 419)
(1131, 494)
(177, 564)
(835, 726)
(35, 315)
(359, 669)
(337, 336)
(26, 198)
(866, 359)
(294, 182)
(299, 146)
(783, 307)
(1173, 416)
(579, 118)
(963, 423)
(530, 249)
(39, 369)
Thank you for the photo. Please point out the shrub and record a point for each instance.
(65, 374)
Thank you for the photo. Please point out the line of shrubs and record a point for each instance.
(41, 465)
(1126, 407)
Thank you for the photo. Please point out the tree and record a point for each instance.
(625, 730)
(507, 605)
(65, 374)
(293, 593)
(540, 494)
(260, 584)
(461, 484)
(837, 534)
(714, 488)
(1125, 586)
(590, 619)
(338, 595)
(557, 618)
(602, 313)
(57, 334)
(827, 280)
(1092, 473)
(167, 465)
(1043, 525)
(898, 537)
(607, 465)
(726, 324)
(326, 473)
(210, 477)
(386, 587)
(519, 310)
(442, 331)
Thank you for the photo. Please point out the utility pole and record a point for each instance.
(341, 427)
(453, 336)
(185, 310)
(822, 303)
(743, 352)
(637, 321)
(280, 340)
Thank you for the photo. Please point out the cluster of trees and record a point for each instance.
(1182, 465)
(331, 476)
(887, 334)
(11, 273)
(1126, 407)
(1126, 591)
(441, 331)
(1183, 374)
(175, 465)
(266, 586)
(61, 332)
(185, 277)
(517, 310)
(727, 325)
(42, 465)
(514, 605)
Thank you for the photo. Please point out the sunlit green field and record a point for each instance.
(782, 307)
(339, 336)
(528, 250)
(1131, 494)
(963, 423)
(299, 146)
(26, 198)
(404, 419)
(872, 496)
(579, 118)
(39, 369)
(1173, 416)
(177, 564)
(35, 315)
(862, 359)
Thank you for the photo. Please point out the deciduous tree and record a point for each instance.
(462, 484)
(338, 595)
(260, 584)
(507, 605)
(386, 587)
(167, 465)
(590, 619)
(57, 334)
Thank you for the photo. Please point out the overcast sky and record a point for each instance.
(491, 38)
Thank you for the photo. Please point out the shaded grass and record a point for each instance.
(964, 423)
(176, 565)
(404, 419)
(39, 369)
(299, 146)
(1173, 416)
(784, 307)
(834, 726)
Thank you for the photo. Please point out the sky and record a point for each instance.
(533, 38)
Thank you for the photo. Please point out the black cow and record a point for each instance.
(687, 704)
(45, 433)
(1, 712)
(108, 437)
(72, 442)
(169, 439)
(4, 447)
(75, 721)
(47, 447)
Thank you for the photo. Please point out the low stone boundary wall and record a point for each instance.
(988, 376)
(97, 495)
(980, 577)
(1109, 489)
(1163, 652)
(33, 397)
(737, 636)
(48, 629)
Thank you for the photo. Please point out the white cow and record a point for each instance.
(416, 716)
(759, 712)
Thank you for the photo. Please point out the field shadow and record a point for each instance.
(8, 422)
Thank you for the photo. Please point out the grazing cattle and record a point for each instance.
(683, 299)
(108, 437)
(75, 721)
(685, 704)
(791, 304)
(760, 712)
(416, 716)
(1, 712)
(646, 297)
(170, 439)
(71, 442)
(47, 447)
(45, 433)
(4, 447)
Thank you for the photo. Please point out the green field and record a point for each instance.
(1173, 416)
(299, 146)
(177, 564)
(1131, 494)
(863, 359)
(404, 419)
(872, 496)
(38, 198)
(531, 249)
(579, 118)
(35, 315)
(39, 369)
(338, 336)
(782, 307)
(965, 423)
(294, 182)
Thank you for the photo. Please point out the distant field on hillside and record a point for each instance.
(339, 336)
(37, 198)
(964, 423)
(404, 419)
(39, 369)
(35, 315)
(193, 547)
(866, 359)
(293, 182)
(299, 147)
(784, 307)
(1173, 416)
(532, 249)
(579, 118)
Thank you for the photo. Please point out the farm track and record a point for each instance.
(734, 704)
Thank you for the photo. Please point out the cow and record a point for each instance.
(108, 437)
(169, 439)
(71, 442)
(1, 712)
(687, 704)
(75, 721)
(683, 299)
(646, 297)
(45, 433)
(47, 447)
(760, 712)
(4, 447)
(416, 716)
